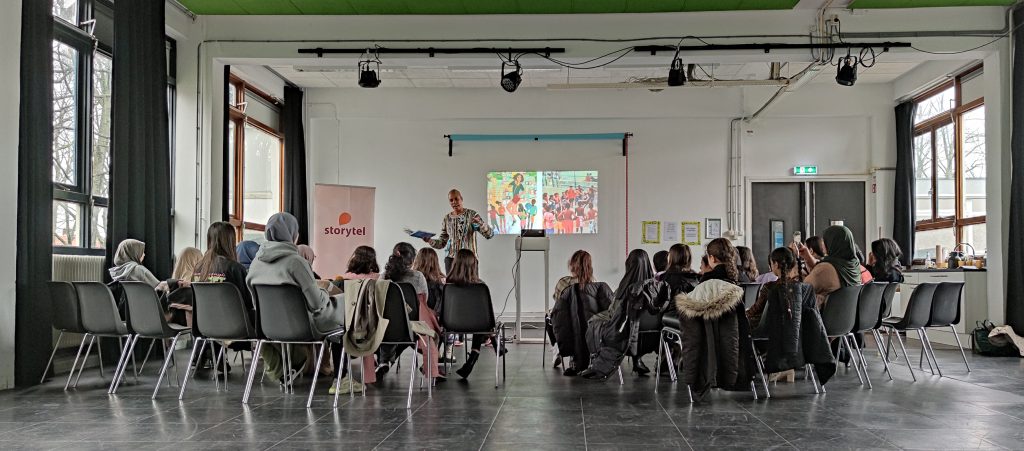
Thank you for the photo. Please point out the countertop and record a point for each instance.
(947, 270)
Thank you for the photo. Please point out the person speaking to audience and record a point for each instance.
(458, 230)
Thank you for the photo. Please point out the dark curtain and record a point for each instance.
(140, 176)
(229, 153)
(33, 317)
(295, 160)
(903, 213)
(1015, 249)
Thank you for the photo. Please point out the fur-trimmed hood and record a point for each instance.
(709, 300)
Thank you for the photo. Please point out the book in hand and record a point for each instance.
(419, 234)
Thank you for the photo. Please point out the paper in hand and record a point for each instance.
(418, 233)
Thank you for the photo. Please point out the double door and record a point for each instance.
(779, 209)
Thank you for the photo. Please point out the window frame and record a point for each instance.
(953, 116)
(238, 116)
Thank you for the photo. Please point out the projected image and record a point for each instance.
(561, 202)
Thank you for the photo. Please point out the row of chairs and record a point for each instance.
(220, 315)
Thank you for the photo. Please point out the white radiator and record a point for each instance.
(76, 268)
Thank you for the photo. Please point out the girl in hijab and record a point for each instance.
(278, 263)
(128, 264)
(246, 251)
(614, 333)
(839, 268)
(307, 253)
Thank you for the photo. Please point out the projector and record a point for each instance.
(532, 233)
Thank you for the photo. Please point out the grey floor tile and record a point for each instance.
(935, 439)
(833, 438)
(634, 435)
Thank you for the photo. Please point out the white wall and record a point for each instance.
(187, 33)
(10, 79)
(678, 156)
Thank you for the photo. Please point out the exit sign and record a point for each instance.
(805, 170)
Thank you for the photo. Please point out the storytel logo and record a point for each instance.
(344, 219)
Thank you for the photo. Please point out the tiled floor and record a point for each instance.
(536, 409)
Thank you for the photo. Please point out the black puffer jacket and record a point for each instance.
(716, 347)
(796, 336)
(569, 317)
(615, 332)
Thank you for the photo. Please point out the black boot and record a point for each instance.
(639, 368)
(467, 367)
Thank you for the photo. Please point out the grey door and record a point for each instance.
(774, 202)
(839, 203)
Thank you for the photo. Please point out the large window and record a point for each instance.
(949, 166)
(255, 166)
(82, 107)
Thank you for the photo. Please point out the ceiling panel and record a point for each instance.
(459, 7)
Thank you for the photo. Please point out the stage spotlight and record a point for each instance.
(512, 79)
(847, 73)
(676, 73)
(368, 77)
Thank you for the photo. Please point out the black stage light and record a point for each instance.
(847, 74)
(512, 79)
(368, 77)
(676, 73)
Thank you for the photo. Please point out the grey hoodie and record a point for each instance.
(279, 263)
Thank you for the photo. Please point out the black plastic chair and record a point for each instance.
(887, 296)
(869, 308)
(670, 326)
(945, 313)
(146, 317)
(66, 317)
(839, 315)
(283, 320)
(219, 313)
(100, 318)
(918, 312)
(467, 309)
(750, 293)
(399, 330)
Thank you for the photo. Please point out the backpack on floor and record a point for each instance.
(981, 344)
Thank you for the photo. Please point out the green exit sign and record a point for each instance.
(805, 170)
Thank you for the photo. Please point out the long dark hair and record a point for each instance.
(465, 268)
(638, 269)
(723, 251)
(817, 245)
(747, 263)
(363, 261)
(887, 256)
(220, 242)
(784, 258)
(660, 261)
(426, 263)
(400, 262)
(680, 258)
(581, 266)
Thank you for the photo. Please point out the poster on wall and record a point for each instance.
(712, 228)
(342, 221)
(691, 233)
(651, 231)
(778, 228)
(671, 232)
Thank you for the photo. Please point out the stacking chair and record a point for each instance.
(219, 313)
(413, 312)
(670, 326)
(66, 317)
(869, 309)
(945, 313)
(147, 320)
(839, 317)
(467, 309)
(916, 317)
(649, 324)
(400, 332)
(750, 292)
(283, 319)
(100, 318)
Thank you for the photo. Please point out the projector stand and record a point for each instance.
(530, 244)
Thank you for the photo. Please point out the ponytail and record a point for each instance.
(784, 258)
(725, 253)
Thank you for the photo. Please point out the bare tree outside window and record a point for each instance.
(67, 10)
(65, 114)
(101, 116)
(65, 223)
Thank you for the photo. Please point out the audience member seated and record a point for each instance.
(575, 305)
(747, 264)
(466, 270)
(427, 263)
(660, 260)
(884, 261)
(614, 333)
(785, 314)
(839, 268)
(865, 273)
(246, 251)
(399, 270)
(307, 254)
(220, 264)
(175, 292)
(770, 275)
(128, 264)
(705, 267)
(362, 264)
(716, 347)
(278, 263)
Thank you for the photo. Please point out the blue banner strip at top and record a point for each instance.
(541, 137)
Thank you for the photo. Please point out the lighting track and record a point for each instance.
(432, 51)
(767, 47)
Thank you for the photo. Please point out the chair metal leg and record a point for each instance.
(120, 377)
(85, 359)
(428, 364)
(224, 364)
(412, 375)
(844, 344)
(958, 345)
(75, 364)
(859, 354)
(193, 358)
(753, 389)
(146, 358)
(99, 353)
(337, 374)
(906, 357)
(619, 370)
(878, 344)
(316, 372)
(818, 388)
(924, 353)
(760, 370)
(931, 351)
(250, 376)
(352, 376)
(672, 372)
(657, 362)
(49, 362)
(167, 361)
